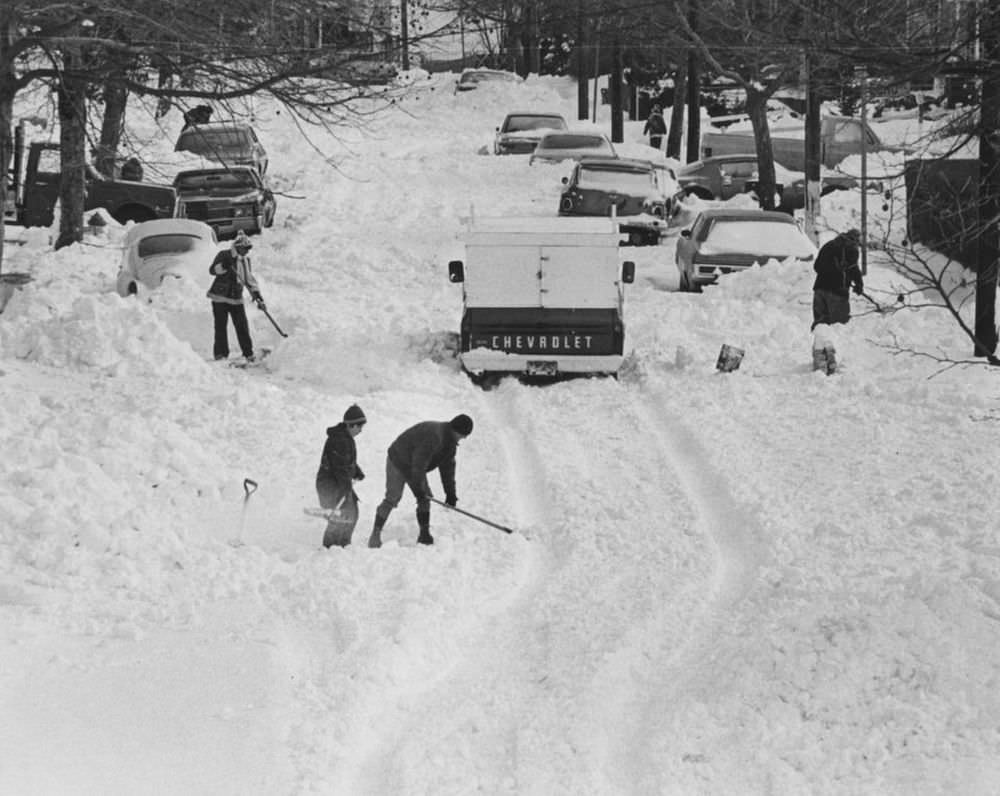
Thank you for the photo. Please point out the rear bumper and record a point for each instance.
(483, 360)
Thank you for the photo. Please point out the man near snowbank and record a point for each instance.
(427, 446)
(836, 270)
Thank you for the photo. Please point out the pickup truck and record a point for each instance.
(32, 196)
(541, 298)
(840, 137)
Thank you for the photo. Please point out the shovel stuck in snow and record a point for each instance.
(249, 487)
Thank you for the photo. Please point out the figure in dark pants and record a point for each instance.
(656, 127)
(427, 446)
(837, 272)
(338, 470)
(232, 271)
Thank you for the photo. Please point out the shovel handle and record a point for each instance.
(249, 487)
(503, 528)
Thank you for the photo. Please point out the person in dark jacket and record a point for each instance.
(655, 127)
(837, 270)
(427, 446)
(338, 470)
(232, 271)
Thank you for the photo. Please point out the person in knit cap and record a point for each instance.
(232, 271)
(338, 470)
(427, 446)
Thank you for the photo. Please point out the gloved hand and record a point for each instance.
(259, 301)
(358, 475)
(450, 500)
(858, 289)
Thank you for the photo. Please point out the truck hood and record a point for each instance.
(231, 195)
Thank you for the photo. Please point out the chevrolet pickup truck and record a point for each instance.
(840, 137)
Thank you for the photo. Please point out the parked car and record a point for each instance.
(169, 248)
(722, 240)
(228, 143)
(725, 176)
(472, 78)
(227, 199)
(521, 131)
(571, 145)
(630, 187)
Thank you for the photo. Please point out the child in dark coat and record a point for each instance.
(338, 470)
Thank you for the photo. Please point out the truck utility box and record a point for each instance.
(542, 296)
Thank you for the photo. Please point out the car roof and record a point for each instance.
(617, 164)
(540, 114)
(168, 226)
(228, 125)
(746, 214)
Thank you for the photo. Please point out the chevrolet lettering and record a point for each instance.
(542, 297)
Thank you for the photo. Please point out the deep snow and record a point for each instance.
(765, 582)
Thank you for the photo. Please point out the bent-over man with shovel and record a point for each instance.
(430, 445)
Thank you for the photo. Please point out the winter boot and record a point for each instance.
(338, 532)
(424, 521)
(375, 540)
(831, 360)
(819, 359)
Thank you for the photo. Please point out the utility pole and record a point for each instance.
(693, 92)
(404, 34)
(615, 94)
(813, 149)
(582, 78)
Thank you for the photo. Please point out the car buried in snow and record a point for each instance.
(723, 240)
(226, 143)
(522, 130)
(639, 190)
(164, 249)
(561, 145)
(472, 79)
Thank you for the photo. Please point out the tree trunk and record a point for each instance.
(675, 136)
(112, 125)
(73, 154)
(6, 152)
(582, 71)
(757, 110)
(615, 95)
(989, 187)
(693, 107)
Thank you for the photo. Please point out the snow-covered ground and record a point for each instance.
(768, 581)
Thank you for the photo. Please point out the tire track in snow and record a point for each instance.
(680, 675)
(553, 682)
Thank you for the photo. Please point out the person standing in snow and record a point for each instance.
(427, 446)
(232, 271)
(655, 127)
(837, 270)
(338, 470)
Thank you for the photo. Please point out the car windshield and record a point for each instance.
(516, 124)
(208, 140)
(756, 236)
(484, 77)
(629, 182)
(575, 141)
(167, 244)
(221, 180)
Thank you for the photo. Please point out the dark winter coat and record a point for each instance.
(231, 273)
(837, 268)
(424, 447)
(655, 125)
(338, 467)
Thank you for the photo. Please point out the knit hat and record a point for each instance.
(461, 424)
(241, 241)
(354, 415)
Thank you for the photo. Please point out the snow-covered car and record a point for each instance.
(522, 130)
(227, 199)
(228, 143)
(722, 240)
(571, 145)
(472, 78)
(168, 248)
(629, 187)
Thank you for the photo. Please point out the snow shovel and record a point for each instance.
(274, 323)
(503, 528)
(878, 307)
(249, 487)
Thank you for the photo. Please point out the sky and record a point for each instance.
(769, 581)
